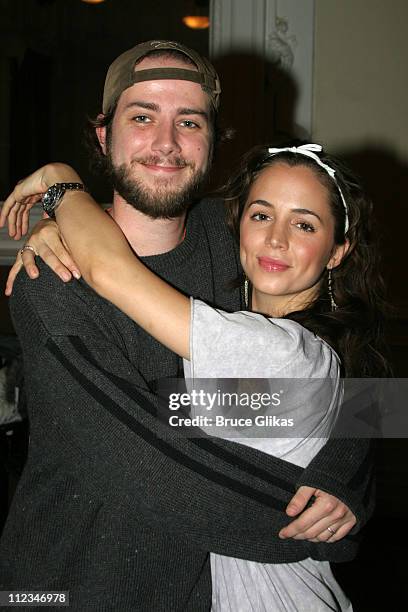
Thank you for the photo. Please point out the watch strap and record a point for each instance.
(54, 194)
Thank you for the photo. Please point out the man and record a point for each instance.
(113, 505)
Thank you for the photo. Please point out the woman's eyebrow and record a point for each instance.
(299, 211)
(262, 202)
(306, 211)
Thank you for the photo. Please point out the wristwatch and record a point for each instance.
(52, 197)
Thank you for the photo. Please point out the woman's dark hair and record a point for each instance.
(99, 162)
(355, 328)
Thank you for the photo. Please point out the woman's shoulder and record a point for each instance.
(280, 344)
(309, 346)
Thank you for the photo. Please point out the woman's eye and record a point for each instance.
(305, 227)
(260, 216)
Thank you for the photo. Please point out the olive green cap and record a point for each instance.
(122, 74)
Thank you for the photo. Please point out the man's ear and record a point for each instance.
(338, 254)
(101, 135)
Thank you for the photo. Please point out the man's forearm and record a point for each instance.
(344, 468)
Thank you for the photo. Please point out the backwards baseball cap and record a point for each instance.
(122, 74)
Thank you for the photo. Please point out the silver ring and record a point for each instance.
(28, 247)
(331, 530)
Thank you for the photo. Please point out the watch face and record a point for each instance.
(51, 197)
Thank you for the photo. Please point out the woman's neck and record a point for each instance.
(280, 306)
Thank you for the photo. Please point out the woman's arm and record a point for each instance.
(109, 266)
(104, 257)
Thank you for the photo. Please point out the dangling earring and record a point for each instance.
(246, 293)
(330, 290)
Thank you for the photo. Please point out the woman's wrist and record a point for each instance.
(60, 173)
(70, 198)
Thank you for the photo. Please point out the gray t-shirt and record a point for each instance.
(301, 372)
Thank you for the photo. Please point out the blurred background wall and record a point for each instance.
(360, 76)
(360, 103)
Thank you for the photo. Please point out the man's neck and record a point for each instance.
(147, 236)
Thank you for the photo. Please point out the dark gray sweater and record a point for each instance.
(114, 505)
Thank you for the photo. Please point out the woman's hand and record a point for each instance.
(45, 240)
(327, 520)
(48, 243)
(29, 191)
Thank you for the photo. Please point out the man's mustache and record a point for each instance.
(155, 160)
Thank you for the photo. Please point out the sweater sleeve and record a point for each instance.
(344, 468)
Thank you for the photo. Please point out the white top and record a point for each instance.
(302, 373)
(286, 356)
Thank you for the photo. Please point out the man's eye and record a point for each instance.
(305, 227)
(189, 124)
(141, 119)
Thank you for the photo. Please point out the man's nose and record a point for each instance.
(166, 139)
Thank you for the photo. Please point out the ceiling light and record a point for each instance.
(196, 22)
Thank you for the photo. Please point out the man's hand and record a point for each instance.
(313, 524)
(48, 243)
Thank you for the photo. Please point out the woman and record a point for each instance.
(299, 218)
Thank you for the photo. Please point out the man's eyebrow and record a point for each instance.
(156, 108)
(146, 105)
(301, 211)
(192, 111)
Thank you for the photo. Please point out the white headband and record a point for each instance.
(309, 151)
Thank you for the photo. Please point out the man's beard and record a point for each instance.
(164, 202)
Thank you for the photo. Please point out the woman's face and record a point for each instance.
(287, 238)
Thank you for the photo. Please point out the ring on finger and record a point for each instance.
(28, 247)
(331, 530)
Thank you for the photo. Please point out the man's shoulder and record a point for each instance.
(208, 207)
(48, 286)
(60, 307)
(211, 213)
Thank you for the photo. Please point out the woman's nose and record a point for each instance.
(276, 236)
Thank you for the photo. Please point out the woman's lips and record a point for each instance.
(272, 265)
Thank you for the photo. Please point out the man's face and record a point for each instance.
(160, 143)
